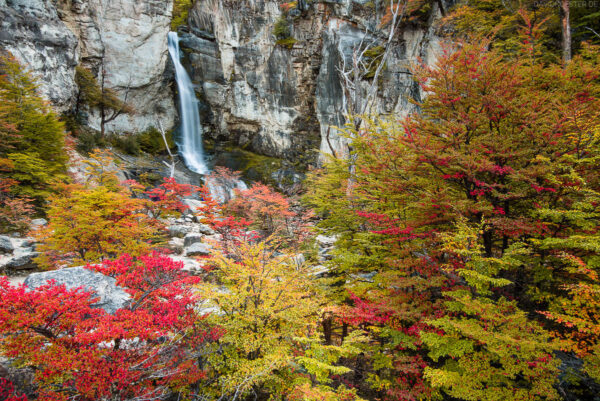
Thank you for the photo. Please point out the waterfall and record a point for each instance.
(190, 145)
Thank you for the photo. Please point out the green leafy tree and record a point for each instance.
(32, 135)
(98, 95)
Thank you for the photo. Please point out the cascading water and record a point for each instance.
(190, 145)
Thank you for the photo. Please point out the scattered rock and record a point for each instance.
(6, 245)
(111, 297)
(37, 223)
(193, 204)
(179, 230)
(198, 249)
(21, 261)
(205, 229)
(299, 259)
(326, 241)
(176, 245)
(192, 238)
(365, 277)
(319, 271)
(189, 264)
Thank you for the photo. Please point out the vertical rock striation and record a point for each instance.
(126, 40)
(285, 100)
(33, 33)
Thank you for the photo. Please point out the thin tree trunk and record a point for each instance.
(566, 31)
(327, 323)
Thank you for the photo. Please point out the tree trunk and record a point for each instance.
(566, 31)
(327, 326)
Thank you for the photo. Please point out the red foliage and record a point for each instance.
(7, 391)
(146, 350)
(167, 197)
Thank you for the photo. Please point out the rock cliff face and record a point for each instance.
(124, 40)
(285, 101)
(281, 100)
(33, 33)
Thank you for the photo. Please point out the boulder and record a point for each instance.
(319, 271)
(193, 204)
(205, 229)
(198, 249)
(37, 223)
(176, 245)
(111, 297)
(189, 264)
(6, 245)
(299, 259)
(23, 260)
(326, 241)
(192, 238)
(179, 230)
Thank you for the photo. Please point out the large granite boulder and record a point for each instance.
(112, 297)
(198, 249)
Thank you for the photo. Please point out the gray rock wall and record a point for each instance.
(274, 100)
(126, 38)
(286, 102)
(34, 34)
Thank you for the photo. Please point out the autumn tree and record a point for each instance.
(148, 349)
(16, 211)
(98, 95)
(509, 148)
(272, 214)
(32, 137)
(95, 221)
(263, 302)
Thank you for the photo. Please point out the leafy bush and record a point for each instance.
(31, 135)
(287, 42)
(281, 30)
(181, 10)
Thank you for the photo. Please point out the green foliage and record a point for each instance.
(149, 141)
(281, 29)
(490, 349)
(35, 145)
(89, 91)
(502, 19)
(373, 58)
(287, 42)
(181, 10)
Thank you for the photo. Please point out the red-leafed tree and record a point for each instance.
(167, 198)
(149, 349)
(510, 148)
(271, 213)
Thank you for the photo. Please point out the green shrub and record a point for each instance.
(128, 144)
(281, 30)
(31, 135)
(287, 42)
(181, 11)
(88, 140)
(151, 141)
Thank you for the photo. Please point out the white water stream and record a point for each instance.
(190, 145)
